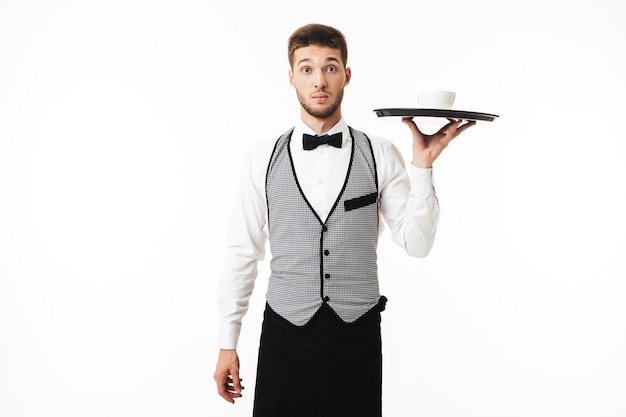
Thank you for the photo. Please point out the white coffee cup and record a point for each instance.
(436, 99)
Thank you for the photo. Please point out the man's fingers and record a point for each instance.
(223, 391)
(462, 128)
(409, 121)
(233, 384)
(450, 131)
(229, 389)
(236, 381)
(454, 124)
(411, 124)
(454, 129)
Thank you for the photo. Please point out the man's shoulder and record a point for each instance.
(262, 148)
(268, 139)
(376, 140)
(386, 152)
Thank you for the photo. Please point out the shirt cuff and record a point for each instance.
(422, 181)
(229, 336)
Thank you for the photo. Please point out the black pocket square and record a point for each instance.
(359, 202)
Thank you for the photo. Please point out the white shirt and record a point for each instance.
(408, 206)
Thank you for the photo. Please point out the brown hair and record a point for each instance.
(319, 35)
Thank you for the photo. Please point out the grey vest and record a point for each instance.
(313, 261)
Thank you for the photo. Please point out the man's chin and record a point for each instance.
(321, 111)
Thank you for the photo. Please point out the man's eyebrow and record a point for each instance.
(307, 59)
(303, 60)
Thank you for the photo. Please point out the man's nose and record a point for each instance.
(320, 79)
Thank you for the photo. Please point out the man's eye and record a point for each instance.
(306, 70)
(331, 69)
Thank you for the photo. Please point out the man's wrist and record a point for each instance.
(421, 164)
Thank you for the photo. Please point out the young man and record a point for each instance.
(319, 201)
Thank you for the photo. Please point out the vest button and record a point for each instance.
(327, 299)
(326, 252)
(324, 228)
(327, 276)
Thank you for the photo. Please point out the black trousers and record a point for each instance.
(327, 368)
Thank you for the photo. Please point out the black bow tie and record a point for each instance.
(311, 142)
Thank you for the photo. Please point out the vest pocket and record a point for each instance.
(359, 202)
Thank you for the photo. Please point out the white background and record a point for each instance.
(122, 124)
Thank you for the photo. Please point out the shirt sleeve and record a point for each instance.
(408, 204)
(244, 250)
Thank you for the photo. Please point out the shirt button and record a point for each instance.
(326, 252)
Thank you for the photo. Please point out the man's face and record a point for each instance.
(319, 76)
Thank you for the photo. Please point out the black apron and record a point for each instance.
(327, 368)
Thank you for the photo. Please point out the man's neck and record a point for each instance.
(320, 125)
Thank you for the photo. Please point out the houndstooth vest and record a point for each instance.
(313, 261)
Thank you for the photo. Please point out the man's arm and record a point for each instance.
(408, 202)
(410, 207)
(245, 248)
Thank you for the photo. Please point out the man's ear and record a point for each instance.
(348, 76)
(290, 77)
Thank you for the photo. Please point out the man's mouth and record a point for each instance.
(320, 98)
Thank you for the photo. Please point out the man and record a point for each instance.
(319, 202)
